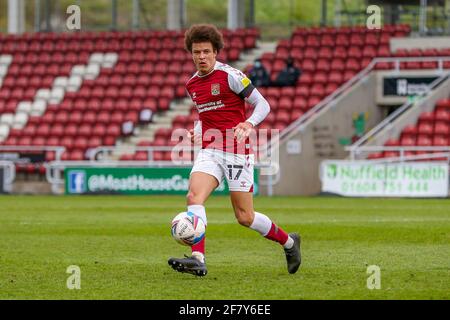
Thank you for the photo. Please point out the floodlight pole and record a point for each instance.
(175, 14)
(251, 14)
(337, 13)
(37, 15)
(48, 14)
(114, 14)
(16, 16)
(135, 14)
(423, 17)
(236, 14)
(323, 21)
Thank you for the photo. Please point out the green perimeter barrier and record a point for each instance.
(91, 180)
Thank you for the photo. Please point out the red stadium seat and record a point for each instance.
(323, 65)
(296, 114)
(335, 77)
(441, 128)
(317, 89)
(287, 92)
(442, 115)
(43, 130)
(342, 40)
(392, 143)
(320, 78)
(283, 116)
(85, 130)
(29, 131)
(355, 52)
(391, 154)
(352, 64)
(71, 130)
(375, 155)
(330, 88)
(66, 142)
(57, 130)
(348, 75)
(407, 141)
(313, 101)
(327, 40)
(424, 141)
(410, 131)
(76, 155)
(80, 143)
(337, 64)
(425, 128)
(440, 141)
(443, 104)
(285, 103)
(426, 117)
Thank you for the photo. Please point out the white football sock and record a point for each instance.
(261, 223)
(199, 256)
(198, 210)
(289, 243)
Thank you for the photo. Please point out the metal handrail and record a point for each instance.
(416, 157)
(400, 149)
(150, 149)
(59, 150)
(404, 148)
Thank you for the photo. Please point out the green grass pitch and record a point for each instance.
(122, 244)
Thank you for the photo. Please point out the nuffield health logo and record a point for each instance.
(77, 181)
(332, 171)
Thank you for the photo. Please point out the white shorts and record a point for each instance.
(236, 168)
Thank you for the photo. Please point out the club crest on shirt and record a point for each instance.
(215, 89)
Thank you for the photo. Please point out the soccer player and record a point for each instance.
(219, 93)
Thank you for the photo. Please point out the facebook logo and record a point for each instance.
(77, 182)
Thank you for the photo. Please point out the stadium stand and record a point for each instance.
(328, 57)
(431, 129)
(82, 90)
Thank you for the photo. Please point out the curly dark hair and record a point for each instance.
(203, 33)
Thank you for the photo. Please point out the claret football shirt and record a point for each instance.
(219, 99)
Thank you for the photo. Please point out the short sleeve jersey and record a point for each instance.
(219, 99)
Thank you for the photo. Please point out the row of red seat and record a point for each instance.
(142, 79)
(111, 35)
(74, 44)
(103, 82)
(367, 51)
(156, 156)
(70, 142)
(96, 105)
(362, 29)
(23, 78)
(30, 63)
(339, 40)
(431, 129)
(324, 69)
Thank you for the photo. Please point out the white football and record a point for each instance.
(187, 228)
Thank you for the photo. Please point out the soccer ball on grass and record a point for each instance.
(187, 228)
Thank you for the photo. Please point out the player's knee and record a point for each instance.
(244, 218)
(193, 198)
